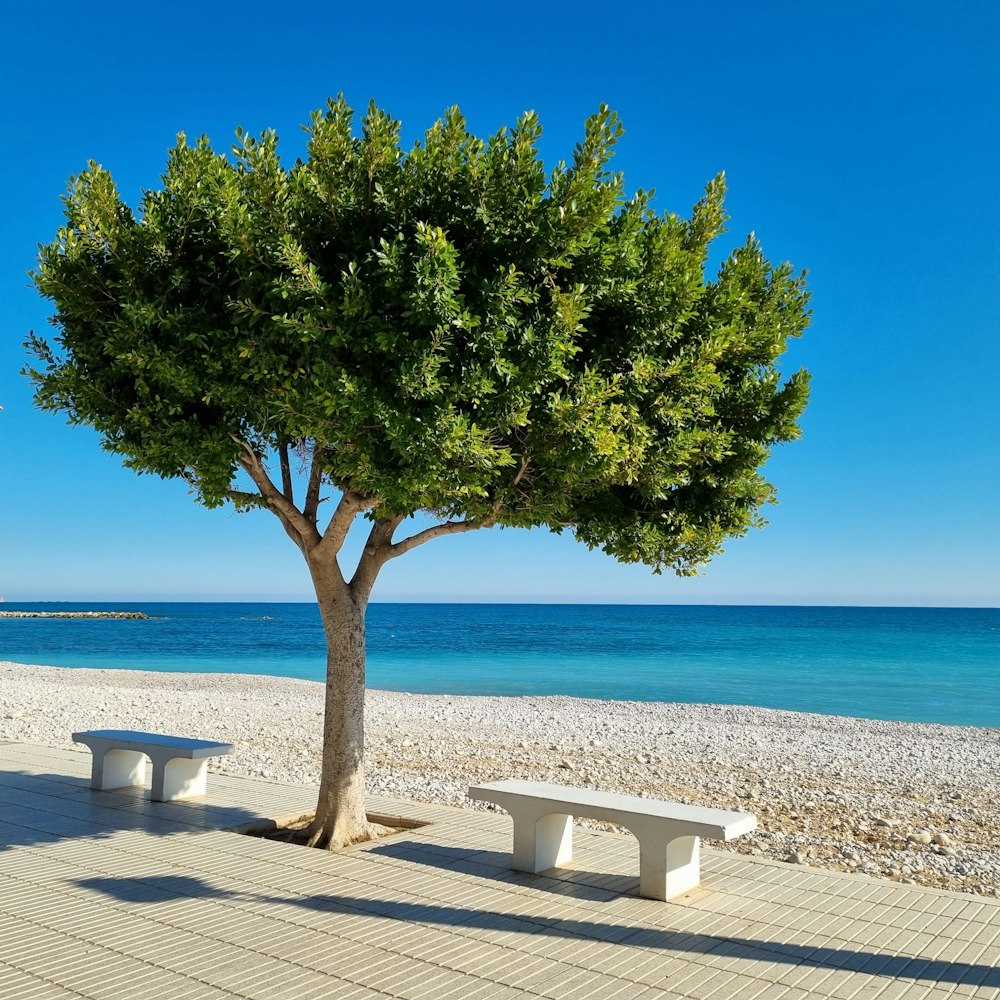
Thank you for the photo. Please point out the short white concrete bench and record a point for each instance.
(668, 832)
(179, 764)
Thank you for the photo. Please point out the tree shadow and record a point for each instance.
(873, 963)
(495, 865)
(41, 808)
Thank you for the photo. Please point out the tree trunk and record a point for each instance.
(340, 811)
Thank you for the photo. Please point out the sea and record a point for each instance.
(938, 665)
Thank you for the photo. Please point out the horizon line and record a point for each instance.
(551, 603)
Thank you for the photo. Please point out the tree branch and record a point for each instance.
(312, 490)
(375, 555)
(351, 503)
(436, 531)
(301, 530)
(286, 472)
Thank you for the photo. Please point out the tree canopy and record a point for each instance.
(449, 328)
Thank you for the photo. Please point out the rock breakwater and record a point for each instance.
(138, 615)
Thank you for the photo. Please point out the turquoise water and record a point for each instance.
(915, 664)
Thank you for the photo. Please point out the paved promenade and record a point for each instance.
(107, 896)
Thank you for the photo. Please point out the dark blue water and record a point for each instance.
(916, 664)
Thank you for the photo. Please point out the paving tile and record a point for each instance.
(16, 984)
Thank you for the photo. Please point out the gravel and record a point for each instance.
(916, 803)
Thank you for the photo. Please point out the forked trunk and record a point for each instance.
(340, 811)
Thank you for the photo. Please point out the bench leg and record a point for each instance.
(178, 778)
(117, 769)
(668, 870)
(541, 842)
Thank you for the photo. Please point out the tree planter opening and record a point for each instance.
(294, 829)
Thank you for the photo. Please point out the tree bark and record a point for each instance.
(340, 809)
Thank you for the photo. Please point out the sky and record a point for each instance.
(860, 142)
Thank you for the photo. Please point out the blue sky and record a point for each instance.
(860, 141)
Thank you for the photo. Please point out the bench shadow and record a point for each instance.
(577, 883)
(873, 963)
(41, 808)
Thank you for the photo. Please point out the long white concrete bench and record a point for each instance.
(668, 832)
(180, 765)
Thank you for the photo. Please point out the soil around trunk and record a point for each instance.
(296, 829)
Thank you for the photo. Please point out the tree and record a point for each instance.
(448, 330)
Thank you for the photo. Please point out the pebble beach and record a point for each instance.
(914, 803)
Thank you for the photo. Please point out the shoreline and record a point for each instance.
(837, 792)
